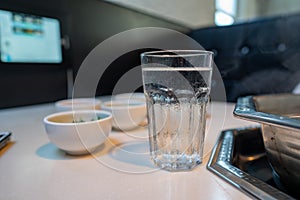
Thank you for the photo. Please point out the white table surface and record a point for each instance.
(33, 168)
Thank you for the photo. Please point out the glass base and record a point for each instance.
(177, 162)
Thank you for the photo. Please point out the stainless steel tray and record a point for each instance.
(279, 109)
(279, 116)
(239, 157)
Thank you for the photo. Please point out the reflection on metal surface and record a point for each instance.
(239, 157)
(269, 109)
(280, 124)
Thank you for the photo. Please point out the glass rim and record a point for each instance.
(178, 53)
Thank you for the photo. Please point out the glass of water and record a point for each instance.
(177, 85)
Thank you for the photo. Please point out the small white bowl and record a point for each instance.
(127, 114)
(78, 132)
(78, 104)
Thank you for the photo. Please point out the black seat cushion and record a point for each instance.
(256, 57)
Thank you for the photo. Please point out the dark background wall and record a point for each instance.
(86, 23)
(22, 84)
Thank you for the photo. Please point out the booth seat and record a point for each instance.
(255, 57)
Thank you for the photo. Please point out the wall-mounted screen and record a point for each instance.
(26, 38)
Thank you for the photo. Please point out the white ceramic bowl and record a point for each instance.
(78, 132)
(78, 104)
(127, 114)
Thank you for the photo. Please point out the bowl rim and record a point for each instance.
(47, 121)
(128, 95)
(141, 104)
(81, 102)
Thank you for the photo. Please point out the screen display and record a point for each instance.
(26, 38)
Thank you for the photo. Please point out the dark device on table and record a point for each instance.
(4, 138)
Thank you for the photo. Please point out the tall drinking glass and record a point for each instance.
(177, 85)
